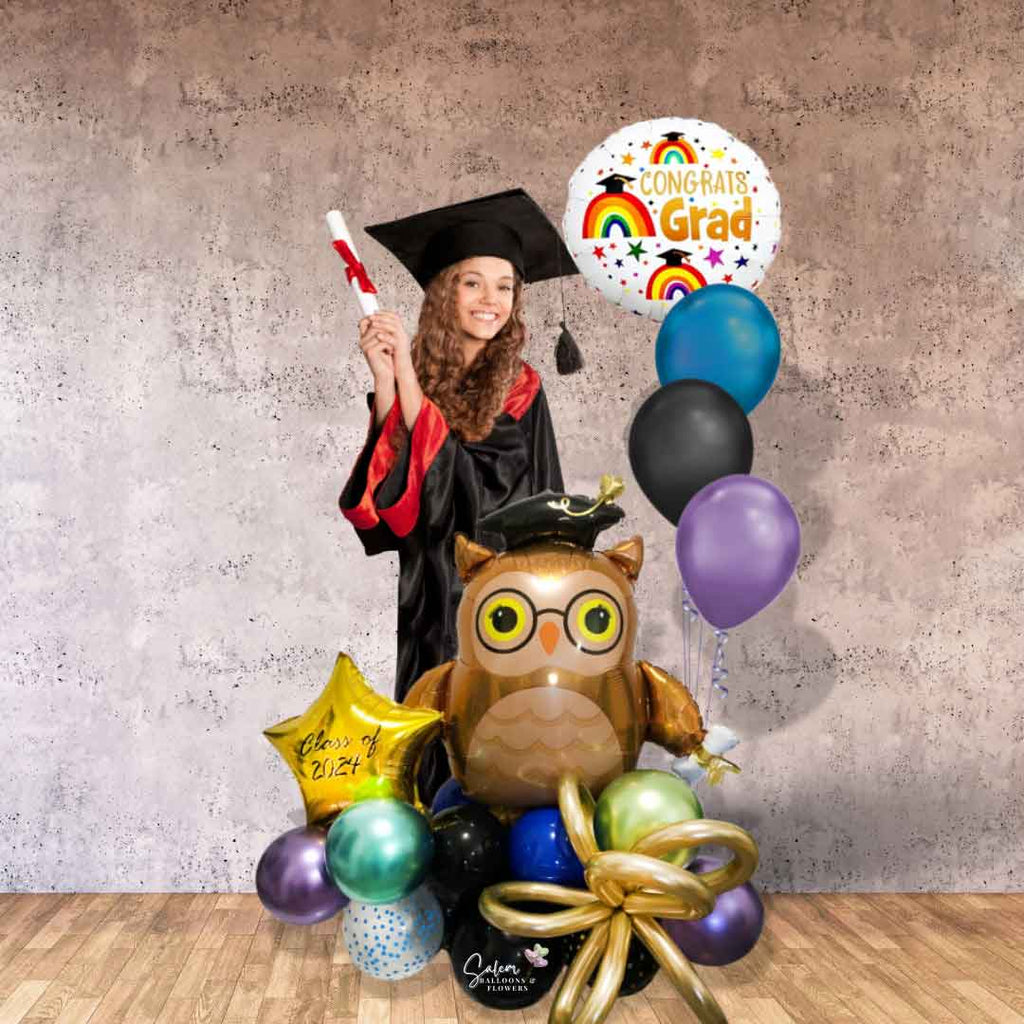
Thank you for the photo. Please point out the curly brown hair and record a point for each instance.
(471, 398)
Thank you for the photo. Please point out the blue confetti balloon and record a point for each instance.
(539, 849)
(723, 334)
(394, 940)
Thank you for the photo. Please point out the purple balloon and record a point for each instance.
(729, 932)
(292, 879)
(737, 544)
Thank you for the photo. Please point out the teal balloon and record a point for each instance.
(723, 334)
(638, 803)
(379, 851)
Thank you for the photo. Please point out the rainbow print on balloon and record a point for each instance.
(674, 280)
(673, 149)
(616, 210)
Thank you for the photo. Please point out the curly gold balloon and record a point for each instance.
(625, 891)
(353, 743)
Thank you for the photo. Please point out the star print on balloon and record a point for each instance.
(673, 189)
(349, 736)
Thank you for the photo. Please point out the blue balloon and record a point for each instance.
(449, 795)
(539, 849)
(723, 334)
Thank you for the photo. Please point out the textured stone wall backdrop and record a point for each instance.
(182, 398)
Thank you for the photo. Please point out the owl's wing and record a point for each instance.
(431, 689)
(675, 721)
(676, 725)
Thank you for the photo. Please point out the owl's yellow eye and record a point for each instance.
(596, 620)
(593, 621)
(505, 621)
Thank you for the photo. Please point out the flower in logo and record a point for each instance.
(536, 955)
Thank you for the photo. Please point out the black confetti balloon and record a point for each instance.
(469, 851)
(453, 910)
(502, 971)
(641, 967)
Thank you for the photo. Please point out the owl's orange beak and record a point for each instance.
(549, 636)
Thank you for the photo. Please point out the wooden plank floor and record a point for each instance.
(209, 959)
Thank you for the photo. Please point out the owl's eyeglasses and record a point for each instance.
(507, 621)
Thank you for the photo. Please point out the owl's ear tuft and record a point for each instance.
(470, 557)
(628, 556)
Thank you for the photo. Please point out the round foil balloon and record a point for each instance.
(292, 878)
(379, 850)
(539, 849)
(729, 932)
(664, 207)
(394, 940)
(639, 803)
(469, 850)
(449, 795)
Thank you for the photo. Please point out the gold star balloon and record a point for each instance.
(349, 737)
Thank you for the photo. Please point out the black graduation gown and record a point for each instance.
(415, 500)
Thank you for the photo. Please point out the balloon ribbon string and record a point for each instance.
(700, 653)
(686, 641)
(719, 673)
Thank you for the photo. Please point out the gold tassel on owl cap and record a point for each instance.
(545, 683)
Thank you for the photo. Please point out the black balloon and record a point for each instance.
(453, 909)
(641, 967)
(469, 851)
(502, 971)
(685, 435)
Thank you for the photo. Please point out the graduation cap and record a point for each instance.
(674, 257)
(509, 225)
(571, 518)
(615, 183)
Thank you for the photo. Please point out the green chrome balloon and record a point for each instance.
(639, 803)
(378, 851)
(376, 787)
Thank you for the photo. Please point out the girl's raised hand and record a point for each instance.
(378, 351)
(389, 328)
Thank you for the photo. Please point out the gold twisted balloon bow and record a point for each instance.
(626, 891)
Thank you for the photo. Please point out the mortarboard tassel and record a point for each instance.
(568, 357)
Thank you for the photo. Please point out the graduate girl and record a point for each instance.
(459, 425)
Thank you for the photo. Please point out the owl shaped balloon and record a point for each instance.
(545, 681)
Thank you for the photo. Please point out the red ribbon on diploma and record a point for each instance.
(354, 270)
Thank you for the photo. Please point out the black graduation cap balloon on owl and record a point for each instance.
(509, 225)
(545, 681)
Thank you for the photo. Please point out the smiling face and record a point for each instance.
(483, 296)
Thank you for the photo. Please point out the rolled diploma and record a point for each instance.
(339, 233)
